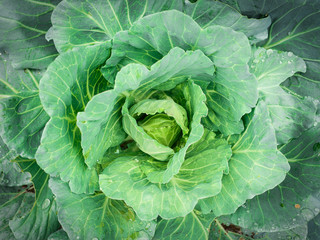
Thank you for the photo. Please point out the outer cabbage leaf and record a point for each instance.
(21, 113)
(12, 199)
(94, 216)
(30, 216)
(291, 114)
(299, 232)
(152, 37)
(99, 114)
(296, 200)
(255, 166)
(23, 25)
(193, 226)
(223, 231)
(301, 37)
(199, 177)
(295, 28)
(96, 21)
(65, 89)
(207, 13)
(10, 173)
(5, 153)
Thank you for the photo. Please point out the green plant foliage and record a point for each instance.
(173, 119)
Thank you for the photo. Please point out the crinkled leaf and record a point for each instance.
(290, 113)
(178, 65)
(255, 166)
(199, 176)
(23, 25)
(167, 106)
(152, 37)
(40, 220)
(65, 89)
(94, 216)
(295, 28)
(194, 101)
(226, 103)
(21, 113)
(95, 22)
(145, 142)
(296, 200)
(207, 13)
(193, 226)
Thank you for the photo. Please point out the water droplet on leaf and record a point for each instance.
(269, 51)
(45, 203)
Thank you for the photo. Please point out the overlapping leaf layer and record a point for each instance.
(152, 119)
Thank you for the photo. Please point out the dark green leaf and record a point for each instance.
(32, 216)
(296, 200)
(21, 113)
(291, 114)
(207, 13)
(13, 200)
(94, 216)
(23, 25)
(314, 228)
